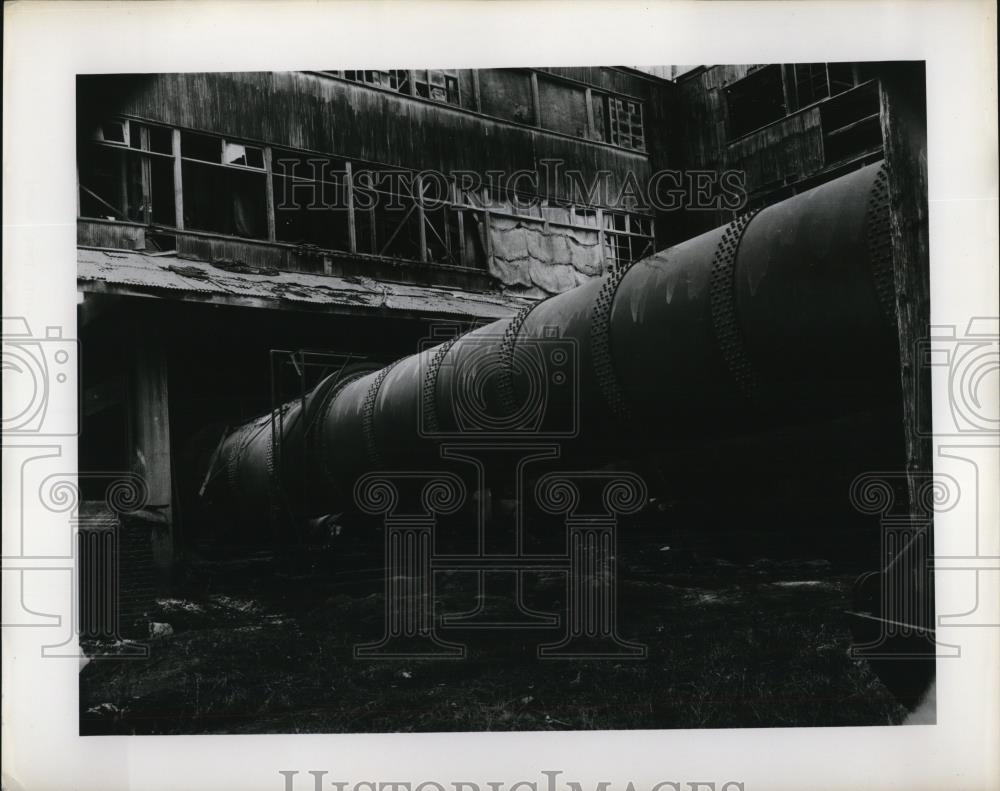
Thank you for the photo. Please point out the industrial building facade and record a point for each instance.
(230, 223)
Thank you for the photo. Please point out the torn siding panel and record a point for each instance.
(555, 259)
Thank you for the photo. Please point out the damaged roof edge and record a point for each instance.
(130, 273)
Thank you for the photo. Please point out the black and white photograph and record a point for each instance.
(504, 399)
(426, 395)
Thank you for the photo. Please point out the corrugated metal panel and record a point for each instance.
(168, 274)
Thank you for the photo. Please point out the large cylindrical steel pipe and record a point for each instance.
(789, 310)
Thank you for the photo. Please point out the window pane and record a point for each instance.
(310, 202)
(224, 200)
(115, 132)
(563, 106)
(160, 140)
(810, 83)
(110, 183)
(203, 147)
(239, 154)
(755, 101)
(161, 191)
(506, 93)
(841, 77)
(626, 123)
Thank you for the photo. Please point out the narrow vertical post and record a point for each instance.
(178, 180)
(421, 217)
(591, 125)
(459, 203)
(146, 176)
(123, 183)
(476, 91)
(488, 227)
(536, 105)
(269, 194)
(788, 87)
(352, 239)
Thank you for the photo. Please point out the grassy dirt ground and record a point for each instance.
(266, 645)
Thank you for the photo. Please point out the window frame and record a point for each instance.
(461, 210)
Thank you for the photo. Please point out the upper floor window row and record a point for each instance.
(770, 93)
(170, 178)
(522, 96)
(842, 97)
(441, 85)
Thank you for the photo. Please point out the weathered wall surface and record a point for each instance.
(782, 154)
(316, 113)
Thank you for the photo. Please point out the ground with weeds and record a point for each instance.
(265, 644)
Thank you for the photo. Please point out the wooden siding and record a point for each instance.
(780, 153)
(316, 113)
(777, 160)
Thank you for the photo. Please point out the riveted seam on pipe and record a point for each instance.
(322, 414)
(505, 385)
(722, 300)
(600, 345)
(368, 414)
(429, 390)
(879, 241)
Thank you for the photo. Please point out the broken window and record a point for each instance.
(626, 124)
(627, 237)
(389, 79)
(224, 186)
(110, 184)
(386, 218)
(310, 200)
(851, 125)
(618, 120)
(441, 85)
(755, 101)
(239, 154)
(114, 131)
(444, 227)
(126, 173)
(160, 140)
(817, 81)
